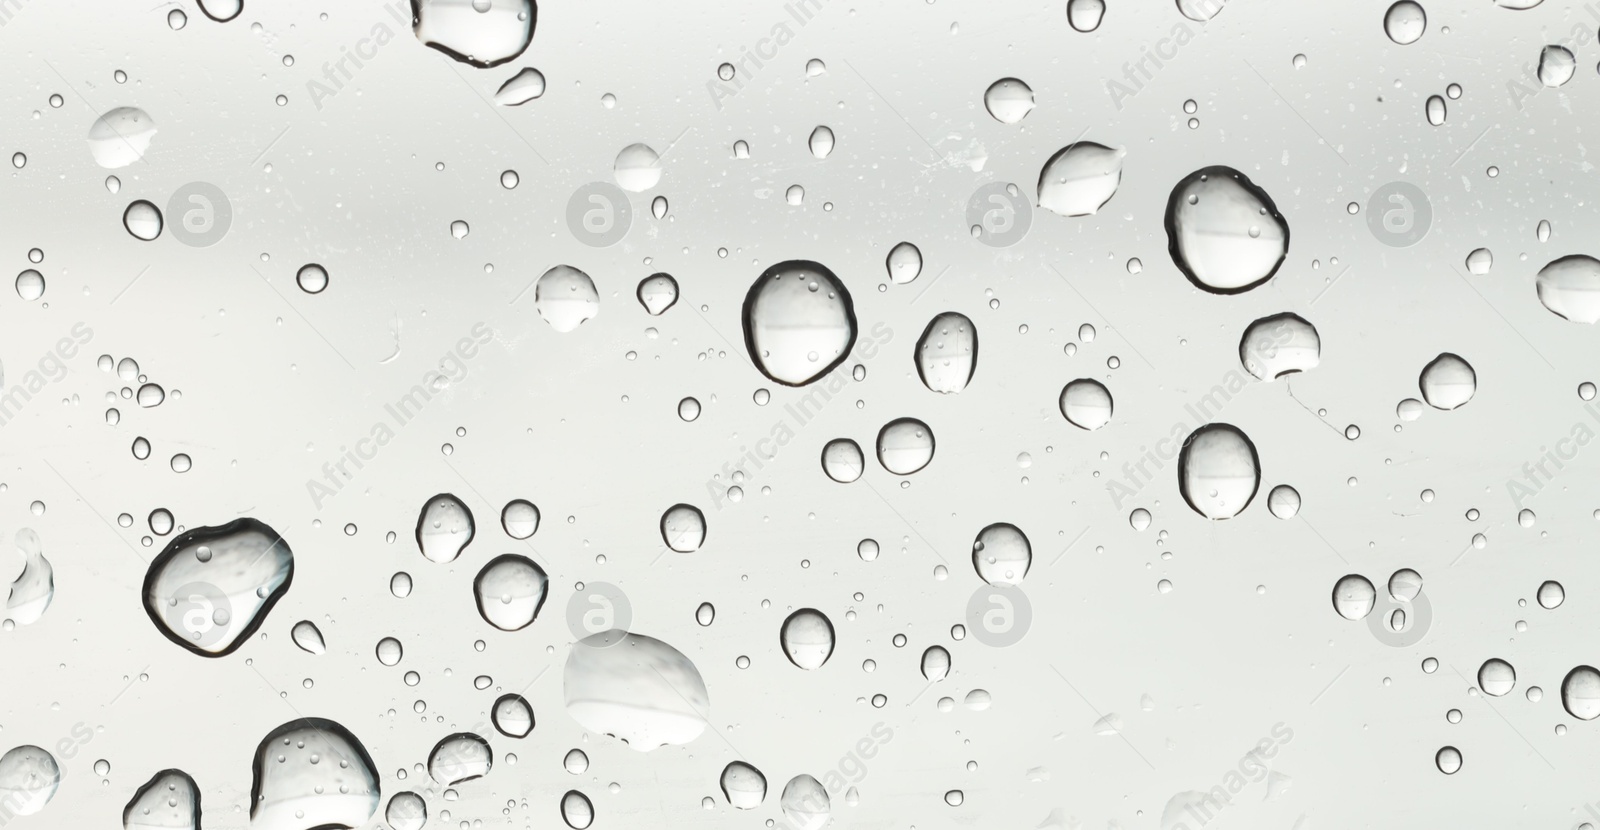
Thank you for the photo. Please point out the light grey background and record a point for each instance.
(274, 382)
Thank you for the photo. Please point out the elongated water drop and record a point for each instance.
(947, 353)
(308, 637)
(1080, 178)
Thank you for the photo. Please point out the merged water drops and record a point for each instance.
(120, 137)
(635, 688)
(444, 528)
(566, 298)
(1570, 288)
(947, 353)
(459, 758)
(905, 445)
(170, 800)
(1218, 471)
(1086, 403)
(1009, 100)
(476, 32)
(312, 772)
(1080, 178)
(1223, 232)
(657, 293)
(509, 591)
(1448, 382)
(799, 322)
(807, 638)
(212, 587)
(1001, 554)
(743, 786)
(1279, 345)
(683, 528)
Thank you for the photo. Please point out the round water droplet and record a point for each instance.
(635, 688)
(1280, 345)
(905, 445)
(576, 810)
(29, 778)
(820, 142)
(1448, 760)
(904, 263)
(312, 278)
(1001, 554)
(1009, 100)
(1405, 22)
(460, 758)
(743, 785)
(1284, 501)
(30, 285)
(222, 11)
(1580, 693)
(1224, 232)
(444, 528)
(1496, 677)
(142, 220)
(657, 293)
(406, 811)
(1086, 404)
(805, 803)
(683, 528)
(1354, 597)
(1080, 178)
(807, 638)
(519, 518)
(1448, 382)
(799, 322)
(1218, 471)
(566, 298)
(1085, 15)
(513, 716)
(638, 168)
(121, 137)
(1480, 261)
(843, 460)
(1405, 584)
(947, 353)
(297, 783)
(510, 590)
(1551, 594)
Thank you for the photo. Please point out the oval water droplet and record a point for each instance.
(904, 263)
(743, 785)
(1496, 677)
(444, 528)
(519, 518)
(843, 460)
(120, 137)
(1580, 693)
(576, 810)
(1354, 597)
(406, 811)
(1218, 471)
(807, 638)
(1551, 594)
(1405, 22)
(799, 322)
(1085, 15)
(1284, 501)
(1008, 100)
(1080, 178)
(459, 758)
(1448, 382)
(820, 142)
(142, 220)
(1001, 554)
(947, 353)
(638, 168)
(1280, 345)
(509, 591)
(1570, 287)
(513, 716)
(905, 445)
(29, 778)
(683, 528)
(1086, 403)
